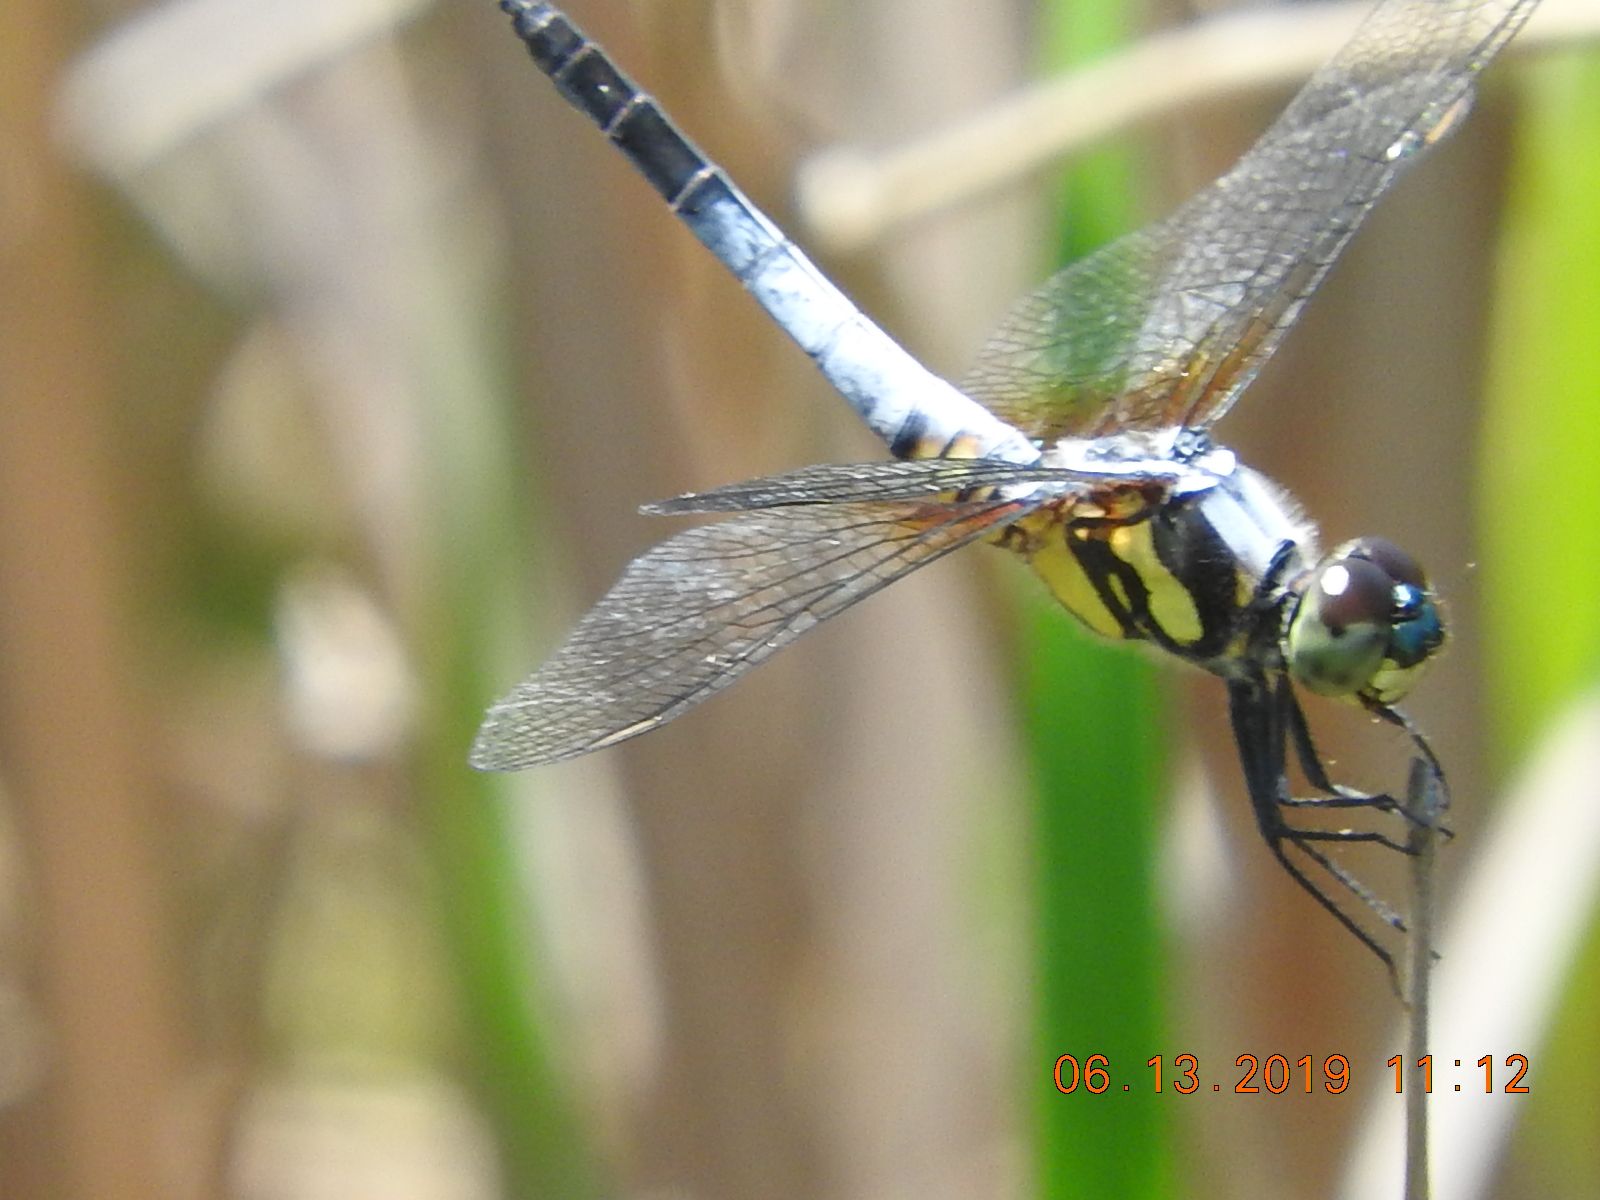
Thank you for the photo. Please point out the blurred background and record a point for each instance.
(336, 356)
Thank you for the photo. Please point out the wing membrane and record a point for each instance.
(830, 483)
(690, 616)
(1168, 325)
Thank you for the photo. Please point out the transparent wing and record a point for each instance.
(690, 616)
(1166, 326)
(831, 483)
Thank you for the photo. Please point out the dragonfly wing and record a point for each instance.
(1166, 327)
(831, 483)
(690, 616)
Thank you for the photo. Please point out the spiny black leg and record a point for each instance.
(1269, 592)
(1346, 797)
(1364, 893)
(1370, 898)
(1264, 717)
(1311, 761)
(1368, 836)
(1398, 719)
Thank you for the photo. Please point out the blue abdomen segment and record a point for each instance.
(914, 411)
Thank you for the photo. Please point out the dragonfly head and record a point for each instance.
(1365, 624)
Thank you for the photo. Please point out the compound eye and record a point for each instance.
(1393, 561)
(1352, 591)
(1341, 628)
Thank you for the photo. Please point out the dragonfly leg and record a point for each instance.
(1266, 717)
(1341, 796)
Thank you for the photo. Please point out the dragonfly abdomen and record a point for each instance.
(903, 402)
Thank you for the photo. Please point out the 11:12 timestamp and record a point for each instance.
(1517, 1064)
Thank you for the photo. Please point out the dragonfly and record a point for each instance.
(1080, 440)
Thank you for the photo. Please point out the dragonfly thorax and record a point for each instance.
(1186, 459)
(1180, 561)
